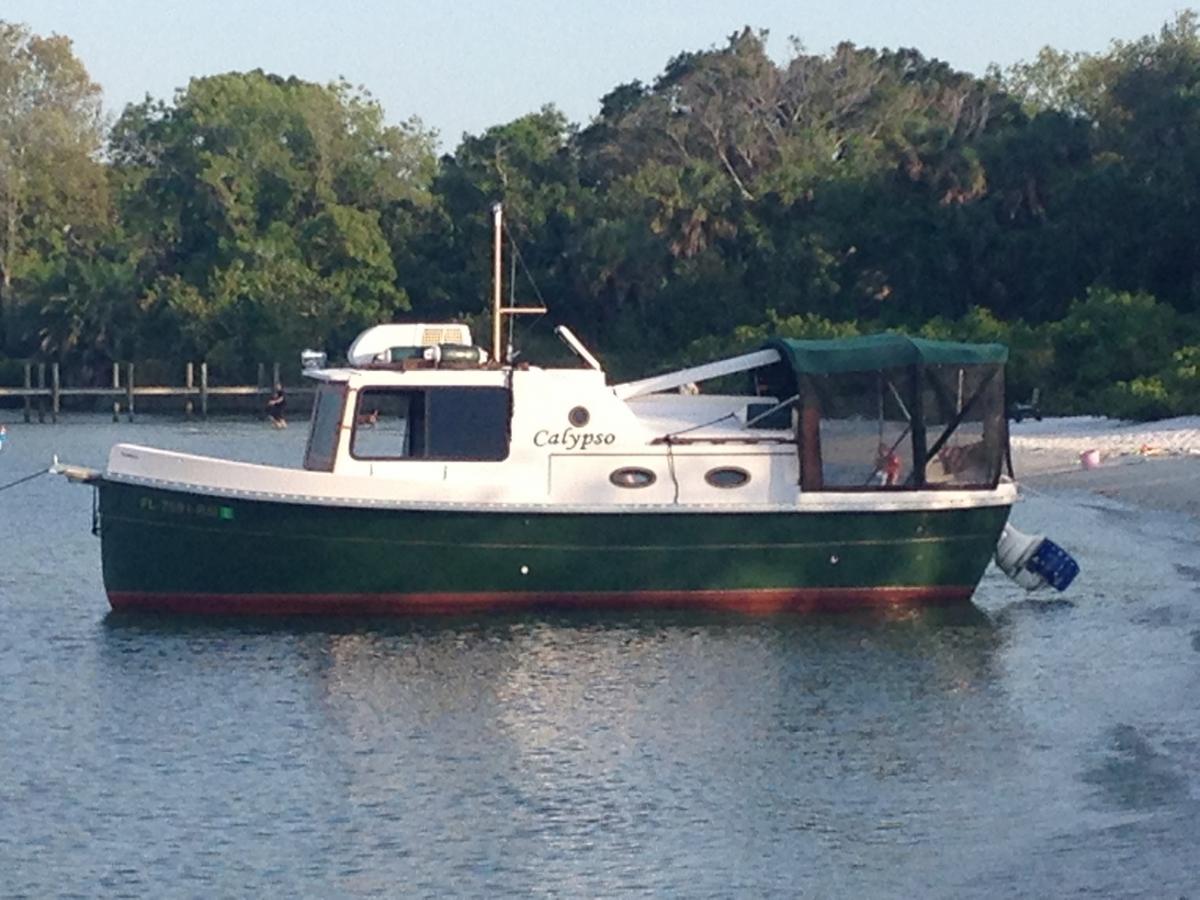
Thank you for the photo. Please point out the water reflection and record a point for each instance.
(591, 731)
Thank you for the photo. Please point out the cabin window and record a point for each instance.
(727, 477)
(435, 423)
(632, 477)
(856, 430)
(966, 430)
(911, 427)
(579, 416)
(324, 427)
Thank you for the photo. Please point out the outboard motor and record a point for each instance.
(1033, 561)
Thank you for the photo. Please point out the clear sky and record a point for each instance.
(466, 65)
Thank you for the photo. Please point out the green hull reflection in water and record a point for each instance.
(187, 552)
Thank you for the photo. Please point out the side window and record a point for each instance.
(856, 431)
(450, 423)
(325, 427)
(964, 417)
(389, 424)
(468, 423)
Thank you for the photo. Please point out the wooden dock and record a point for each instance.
(43, 396)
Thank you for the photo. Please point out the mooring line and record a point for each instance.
(5, 487)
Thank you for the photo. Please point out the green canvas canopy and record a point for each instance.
(873, 352)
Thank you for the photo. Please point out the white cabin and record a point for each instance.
(451, 430)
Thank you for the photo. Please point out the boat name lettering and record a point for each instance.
(573, 439)
(182, 508)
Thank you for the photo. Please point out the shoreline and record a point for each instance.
(1161, 483)
(1151, 465)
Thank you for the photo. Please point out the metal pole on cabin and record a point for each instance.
(129, 389)
(204, 390)
(54, 398)
(187, 407)
(28, 389)
(41, 396)
(497, 231)
(919, 436)
(116, 383)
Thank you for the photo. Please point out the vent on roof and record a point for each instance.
(448, 334)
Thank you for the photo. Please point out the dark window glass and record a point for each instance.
(468, 423)
(444, 423)
(325, 427)
(728, 477)
(632, 477)
(579, 416)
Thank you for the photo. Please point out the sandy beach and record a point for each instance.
(1150, 464)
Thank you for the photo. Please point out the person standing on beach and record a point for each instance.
(277, 406)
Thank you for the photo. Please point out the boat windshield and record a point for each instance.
(325, 427)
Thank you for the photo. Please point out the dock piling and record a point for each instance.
(129, 389)
(116, 383)
(41, 404)
(187, 406)
(54, 393)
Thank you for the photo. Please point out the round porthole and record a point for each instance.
(632, 477)
(727, 477)
(579, 416)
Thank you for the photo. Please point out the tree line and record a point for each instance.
(1051, 206)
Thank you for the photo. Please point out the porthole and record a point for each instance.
(579, 416)
(632, 477)
(727, 477)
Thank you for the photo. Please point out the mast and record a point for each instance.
(497, 236)
(498, 310)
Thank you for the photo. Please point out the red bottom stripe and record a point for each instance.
(764, 601)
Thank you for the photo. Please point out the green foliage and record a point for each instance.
(529, 167)
(262, 201)
(728, 199)
(1171, 391)
(745, 338)
(1127, 355)
(1108, 338)
(52, 189)
(1144, 397)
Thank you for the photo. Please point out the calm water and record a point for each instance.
(1016, 749)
